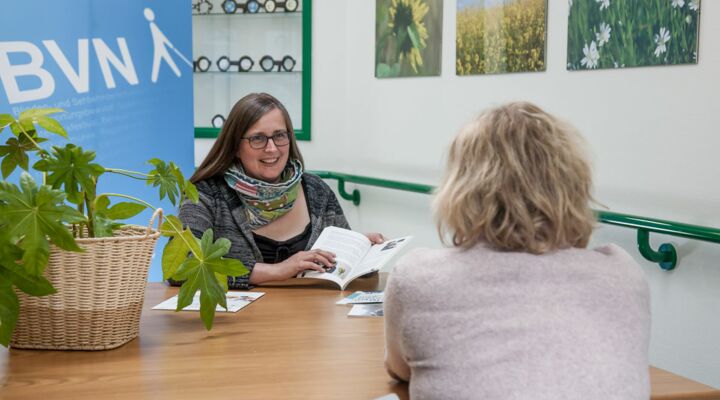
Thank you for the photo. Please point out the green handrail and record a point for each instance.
(364, 180)
(665, 256)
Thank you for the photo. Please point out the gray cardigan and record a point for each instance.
(221, 209)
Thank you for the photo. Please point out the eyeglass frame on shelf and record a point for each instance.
(239, 64)
(280, 3)
(251, 6)
(279, 63)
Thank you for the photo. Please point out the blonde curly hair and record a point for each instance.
(516, 179)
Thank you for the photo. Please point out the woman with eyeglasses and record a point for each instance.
(254, 192)
(526, 310)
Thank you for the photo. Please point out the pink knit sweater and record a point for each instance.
(484, 324)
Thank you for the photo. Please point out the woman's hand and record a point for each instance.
(315, 260)
(375, 238)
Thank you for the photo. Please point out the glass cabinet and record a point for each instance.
(245, 46)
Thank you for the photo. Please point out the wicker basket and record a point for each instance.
(99, 295)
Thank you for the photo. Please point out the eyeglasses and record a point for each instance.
(253, 6)
(260, 141)
(231, 6)
(288, 5)
(267, 63)
(244, 64)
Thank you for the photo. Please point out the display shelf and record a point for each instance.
(216, 73)
(208, 132)
(254, 35)
(295, 14)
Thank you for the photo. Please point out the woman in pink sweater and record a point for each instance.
(518, 307)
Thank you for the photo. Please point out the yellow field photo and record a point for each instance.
(499, 36)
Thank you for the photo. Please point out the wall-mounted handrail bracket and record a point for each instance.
(354, 196)
(666, 256)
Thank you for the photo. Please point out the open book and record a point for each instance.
(355, 255)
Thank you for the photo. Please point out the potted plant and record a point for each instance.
(68, 265)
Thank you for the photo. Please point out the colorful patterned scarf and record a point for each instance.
(266, 202)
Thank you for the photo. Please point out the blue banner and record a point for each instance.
(122, 71)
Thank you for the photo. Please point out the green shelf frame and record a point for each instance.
(665, 256)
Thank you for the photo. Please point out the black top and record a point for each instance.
(274, 252)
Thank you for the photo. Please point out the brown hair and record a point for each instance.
(516, 179)
(246, 112)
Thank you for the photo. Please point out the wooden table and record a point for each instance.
(292, 343)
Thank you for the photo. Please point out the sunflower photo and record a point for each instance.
(408, 38)
(499, 36)
(632, 33)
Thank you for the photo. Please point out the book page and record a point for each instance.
(378, 255)
(349, 248)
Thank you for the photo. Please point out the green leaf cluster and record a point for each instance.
(66, 206)
(205, 270)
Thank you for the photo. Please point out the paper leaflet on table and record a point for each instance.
(235, 302)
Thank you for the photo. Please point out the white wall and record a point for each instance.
(652, 131)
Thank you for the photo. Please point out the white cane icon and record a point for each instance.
(160, 45)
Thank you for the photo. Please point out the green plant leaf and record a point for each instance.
(124, 210)
(214, 250)
(223, 279)
(191, 191)
(177, 172)
(185, 185)
(11, 161)
(38, 112)
(33, 214)
(102, 202)
(71, 168)
(14, 153)
(201, 273)
(182, 242)
(9, 251)
(51, 125)
(164, 177)
(5, 120)
(9, 311)
(18, 127)
(103, 226)
(172, 227)
(200, 276)
(175, 253)
(32, 285)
